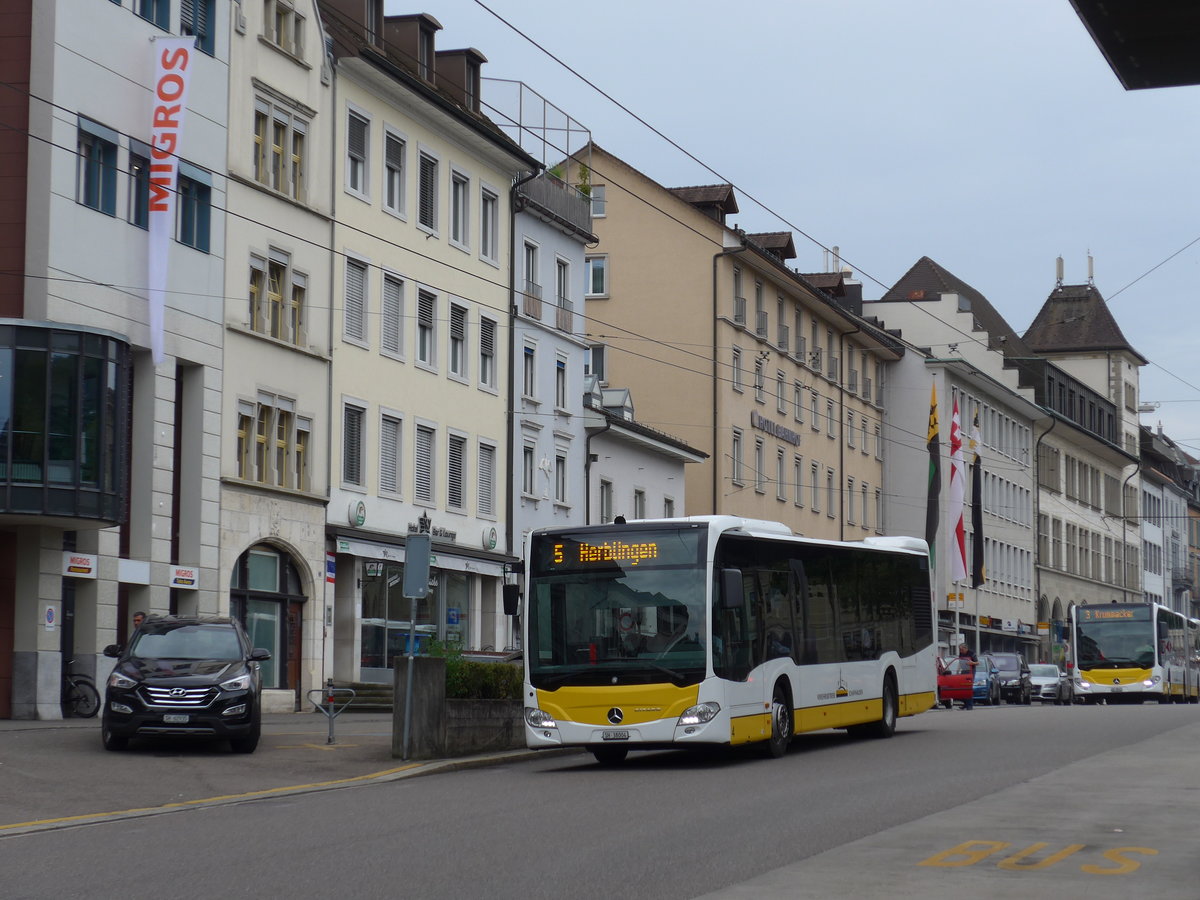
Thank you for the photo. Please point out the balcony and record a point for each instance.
(784, 334)
(564, 315)
(832, 372)
(866, 389)
(800, 350)
(760, 323)
(814, 359)
(739, 310)
(555, 199)
(852, 382)
(532, 304)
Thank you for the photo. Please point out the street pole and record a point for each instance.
(416, 586)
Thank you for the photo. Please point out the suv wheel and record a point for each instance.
(246, 744)
(112, 741)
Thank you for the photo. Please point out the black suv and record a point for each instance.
(1016, 684)
(185, 677)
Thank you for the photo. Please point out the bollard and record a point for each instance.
(326, 701)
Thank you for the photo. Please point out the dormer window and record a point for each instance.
(471, 89)
(425, 54)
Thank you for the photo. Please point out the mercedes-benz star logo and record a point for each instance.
(615, 716)
(1116, 681)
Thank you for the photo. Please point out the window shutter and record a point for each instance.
(187, 16)
(390, 339)
(487, 475)
(357, 137)
(352, 445)
(487, 337)
(428, 188)
(454, 492)
(389, 455)
(356, 299)
(423, 466)
(394, 153)
(426, 304)
(458, 323)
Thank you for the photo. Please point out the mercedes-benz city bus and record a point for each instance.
(716, 630)
(1132, 652)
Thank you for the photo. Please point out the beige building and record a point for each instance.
(275, 397)
(767, 371)
(420, 340)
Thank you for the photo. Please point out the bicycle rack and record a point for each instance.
(326, 701)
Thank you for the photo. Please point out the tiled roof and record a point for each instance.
(926, 280)
(830, 282)
(778, 242)
(708, 195)
(1075, 318)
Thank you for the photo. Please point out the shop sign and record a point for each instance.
(185, 577)
(79, 565)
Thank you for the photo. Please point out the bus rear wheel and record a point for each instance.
(610, 756)
(886, 726)
(782, 723)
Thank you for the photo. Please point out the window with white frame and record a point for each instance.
(532, 287)
(736, 455)
(606, 502)
(456, 461)
(460, 209)
(427, 192)
(528, 469)
(639, 503)
(798, 402)
(562, 282)
(831, 506)
(736, 366)
(850, 430)
(851, 497)
(560, 384)
(865, 448)
(279, 148)
(395, 156)
(487, 479)
(814, 483)
(391, 436)
(878, 511)
(758, 380)
(831, 419)
(358, 131)
(423, 474)
(529, 373)
(353, 423)
(458, 340)
(760, 475)
(427, 328)
(391, 316)
(593, 362)
(354, 319)
(278, 297)
(560, 476)
(798, 478)
(780, 475)
(599, 205)
(668, 507)
(487, 352)
(866, 509)
(489, 225)
(139, 184)
(780, 392)
(813, 416)
(596, 275)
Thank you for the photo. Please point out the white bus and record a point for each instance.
(716, 630)
(1133, 652)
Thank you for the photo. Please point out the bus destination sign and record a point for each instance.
(579, 552)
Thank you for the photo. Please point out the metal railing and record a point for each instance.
(739, 310)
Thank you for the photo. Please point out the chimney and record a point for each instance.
(410, 43)
(1058, 270)
(458, 74)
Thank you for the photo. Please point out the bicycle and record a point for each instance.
(79, 695)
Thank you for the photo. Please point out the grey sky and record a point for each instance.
(990, 135)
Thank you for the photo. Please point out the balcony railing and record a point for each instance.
(866, 389)
(784, 333)
(832, 371)
(532, 305)
(801, 349)
(564, 317)
(739, 310)
(852, 382)
(560, 200)
(814, 359)
(760, 323)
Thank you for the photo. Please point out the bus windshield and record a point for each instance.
(1114, 637)
(620, 606)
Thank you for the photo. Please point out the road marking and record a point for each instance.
(968, 853)
(315, 746)
(183, 804)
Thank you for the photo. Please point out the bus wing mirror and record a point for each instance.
(731, 588)
(512, 599)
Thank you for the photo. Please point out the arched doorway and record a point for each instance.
(266, 594)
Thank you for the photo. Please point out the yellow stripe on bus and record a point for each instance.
(639, 703)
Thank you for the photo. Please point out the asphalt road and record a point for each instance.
(1093, 802)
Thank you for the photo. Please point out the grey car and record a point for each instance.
(1049, 684)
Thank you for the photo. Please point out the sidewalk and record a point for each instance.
(56, 772)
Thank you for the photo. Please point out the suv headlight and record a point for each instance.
(120, 682)
(699, 714)
(241, 683)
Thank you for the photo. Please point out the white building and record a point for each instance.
(109, 469)
(422, 281)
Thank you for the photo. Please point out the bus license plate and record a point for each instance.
(614, 736)
(1116, 689)
(176, 719)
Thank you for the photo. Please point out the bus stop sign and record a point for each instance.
(416, 566)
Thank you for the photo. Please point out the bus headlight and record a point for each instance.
(699, 714)
(539, 718)
(1151, 682)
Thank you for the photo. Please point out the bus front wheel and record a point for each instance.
(782, 722)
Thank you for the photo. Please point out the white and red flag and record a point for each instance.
(958, 539)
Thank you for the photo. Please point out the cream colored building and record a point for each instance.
(420, 341)
(765, 370)
(275, 398)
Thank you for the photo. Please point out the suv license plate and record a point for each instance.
(170, 719)
(614, 736)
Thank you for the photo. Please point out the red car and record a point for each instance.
(956, 681)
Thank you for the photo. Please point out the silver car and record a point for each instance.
(1049, 683)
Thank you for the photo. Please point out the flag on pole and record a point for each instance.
(958, 540)
(978, 575)
(172, 62)
(935, 478)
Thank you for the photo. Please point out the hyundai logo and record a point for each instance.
(178, 692)
(615, 716)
